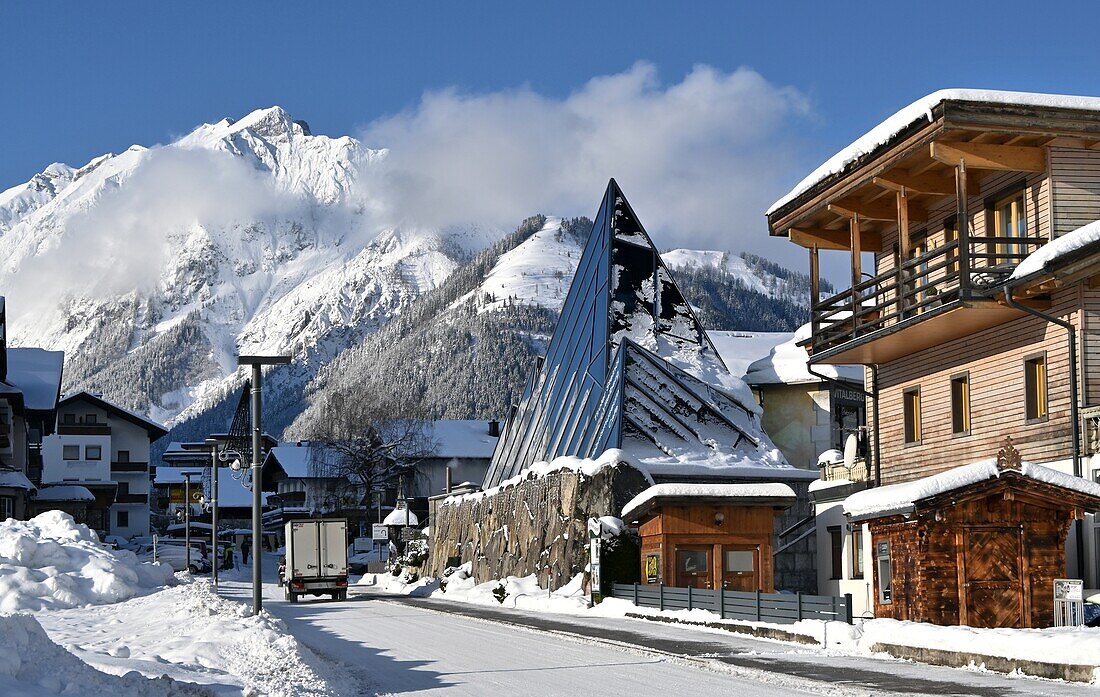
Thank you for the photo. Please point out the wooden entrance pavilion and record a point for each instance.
(977, 545)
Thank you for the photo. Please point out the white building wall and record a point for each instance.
(829, 514)
(55, 468)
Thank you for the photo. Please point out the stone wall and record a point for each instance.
(796, 559)
(524, 528)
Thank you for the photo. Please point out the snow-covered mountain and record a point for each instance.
(151, 267)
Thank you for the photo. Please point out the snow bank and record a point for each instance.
(901, 498)
(733, 492)
(1053, 250)
(194, 634)
(922, 109)
(31, 665)
(52, 562)
(1074, 645)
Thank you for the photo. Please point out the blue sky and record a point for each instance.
(83, 79)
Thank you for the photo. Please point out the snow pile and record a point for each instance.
(788, 364)
(523, 593)
(738, 350)
(191, 633)
(743, 493)
(1072, 645)
(612, 457)
(901, 498)
(31, 665)
(922, 109)
(51, 562)
(1070, 242)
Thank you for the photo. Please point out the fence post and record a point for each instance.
(661, 595)
(635, 595)
(689, 597)
(848, 608)
(757, 604)
(722, 603)
(798, 596)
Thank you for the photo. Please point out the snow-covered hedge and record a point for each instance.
(52, 562)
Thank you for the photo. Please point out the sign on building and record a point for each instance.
(379, 532)
(653, 568)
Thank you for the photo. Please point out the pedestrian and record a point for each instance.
(245, 547)
(227, 557)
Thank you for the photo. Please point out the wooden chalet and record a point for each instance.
(968, 331)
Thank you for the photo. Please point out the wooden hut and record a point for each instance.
(977, 545)
(708, 535)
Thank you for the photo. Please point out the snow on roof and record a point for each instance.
(735, 492)
(174, 475)
(900, 499)
(193, 524)
(922, 109)
(788, 364)
(64, 493)
(1042, 258)
(398, 517)
(460, 438)
(823, 484)
(37, 372)
(14, 479)
(740, 349)
(294, 458)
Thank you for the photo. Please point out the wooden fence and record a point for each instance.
(779, 608)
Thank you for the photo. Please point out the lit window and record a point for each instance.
(1035, 386)
(960, 404)
(911, 401)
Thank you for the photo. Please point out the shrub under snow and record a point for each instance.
(52, 562)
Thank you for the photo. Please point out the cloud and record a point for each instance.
(700, 159)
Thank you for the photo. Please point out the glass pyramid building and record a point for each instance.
(630, 367)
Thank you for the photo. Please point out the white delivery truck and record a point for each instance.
(316, 558)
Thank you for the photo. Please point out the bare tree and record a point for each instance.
(372, 444)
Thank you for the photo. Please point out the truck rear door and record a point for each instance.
(334, 548)
(304, 560)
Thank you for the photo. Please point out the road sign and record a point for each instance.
(379, 532)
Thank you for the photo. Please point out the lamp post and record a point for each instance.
(215, 553)
(257, 363)
(187, 514)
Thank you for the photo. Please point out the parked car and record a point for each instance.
(175, 556)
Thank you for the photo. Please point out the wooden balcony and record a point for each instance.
(943, 294)
(129, 466)
(83, 429)
(836, 471)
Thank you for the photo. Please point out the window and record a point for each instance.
(836, 546)
(90, 419)
(93, 452)
(123, 489)
(739, 560)
(122, 519)
(911, 406)
(885, 571)
(68, 418)
(960, 404)
(857, 552)
(7, 507)
(123, 456)
(1035, 386)
(71, 452)
(950, 236)
(1009, 223)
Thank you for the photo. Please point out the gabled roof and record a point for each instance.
(154, 429)
(761, 494)
(461, 438)
(37, 373)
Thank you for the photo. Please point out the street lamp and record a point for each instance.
(211, 444)
(187, 514)
(257, 363)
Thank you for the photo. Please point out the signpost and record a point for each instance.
(380, 532)
(1069, 602)
(595, 529)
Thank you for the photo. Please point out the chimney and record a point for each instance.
(3, 342)
(494, 428)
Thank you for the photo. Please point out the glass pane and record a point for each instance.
(739, 560)
(692, 560)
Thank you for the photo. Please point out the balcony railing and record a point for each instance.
(83, 429)
(132, 498)
(129, 466)
(836, 471)
(918, 286)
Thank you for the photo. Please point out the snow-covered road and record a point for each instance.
(397, 644)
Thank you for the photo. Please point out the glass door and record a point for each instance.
(740, 568)
(693, 567)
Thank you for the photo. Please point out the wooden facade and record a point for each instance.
(985, 555)
(702, 545)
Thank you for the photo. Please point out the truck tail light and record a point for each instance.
(298, 584)
(341, 582)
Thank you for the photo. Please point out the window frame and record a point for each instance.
(1041, 398)
(836, 554)
(88, 452)
(964, 414)
(119, 514)
(856, 554)
(915, 417)
(65, 449)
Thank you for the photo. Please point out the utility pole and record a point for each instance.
(215, 552)
(187, 514)
(257, 363)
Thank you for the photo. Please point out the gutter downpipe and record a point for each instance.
(873, 394)
(1075, 423)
